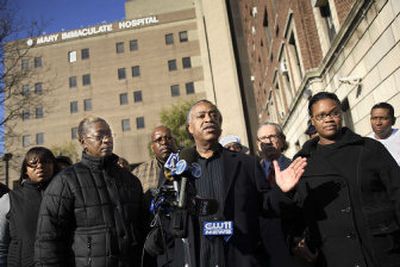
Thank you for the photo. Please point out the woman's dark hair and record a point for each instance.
(321, 96)
(37, 152)
(388, 107)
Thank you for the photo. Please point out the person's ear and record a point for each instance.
(393, 121)
(258, 145)
(190, 128)
(83, 143)
(152, 146)
(312, 121)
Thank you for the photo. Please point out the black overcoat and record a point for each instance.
(349, 198)
(247, 196)
(91, 215)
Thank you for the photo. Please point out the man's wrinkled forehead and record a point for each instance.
(270, 129)
(204, 107)
(384, 111)
(98, 126)
(103, 130)
(161, 131)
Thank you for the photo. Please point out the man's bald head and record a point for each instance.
(160, 128)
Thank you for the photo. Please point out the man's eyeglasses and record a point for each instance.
(161, 139)
(34, 163)
(100, 137)
(271, 138)
(333, 114)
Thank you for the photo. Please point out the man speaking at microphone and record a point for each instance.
(231, 236)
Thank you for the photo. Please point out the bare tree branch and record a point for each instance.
(16, 69)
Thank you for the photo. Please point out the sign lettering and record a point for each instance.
(122, 25)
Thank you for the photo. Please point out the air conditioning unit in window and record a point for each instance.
(253, 30)
(252, 78)
(283, 67)
(254, 11)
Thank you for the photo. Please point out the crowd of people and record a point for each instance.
(335, 204)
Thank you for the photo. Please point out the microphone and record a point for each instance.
(189, 154)
(186, 166)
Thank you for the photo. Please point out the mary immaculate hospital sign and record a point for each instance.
(122, 25)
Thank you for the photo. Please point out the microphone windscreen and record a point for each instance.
(189, 154)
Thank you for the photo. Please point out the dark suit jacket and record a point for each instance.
(272, 230)
(247, 196)
(243, 205)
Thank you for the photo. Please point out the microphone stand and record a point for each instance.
(185, 240)
(186, 251)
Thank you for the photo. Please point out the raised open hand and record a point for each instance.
(289, 177)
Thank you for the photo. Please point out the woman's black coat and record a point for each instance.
(349, 198)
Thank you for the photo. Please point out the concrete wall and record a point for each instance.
(221, 78)
(138, 8)
(372, 53)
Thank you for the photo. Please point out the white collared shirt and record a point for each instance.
(392, 143)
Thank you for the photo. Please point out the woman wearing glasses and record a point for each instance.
(19, 209)
(349, 194)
